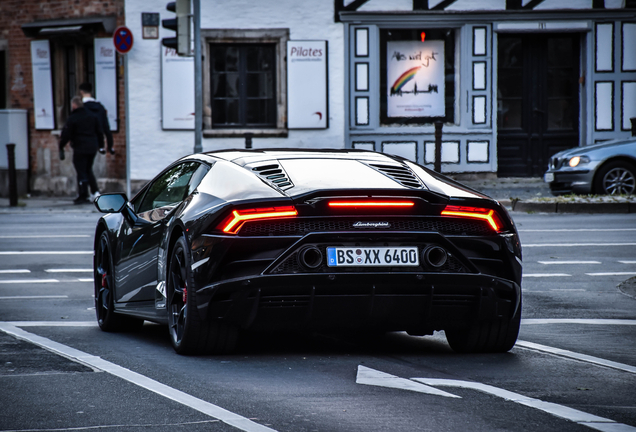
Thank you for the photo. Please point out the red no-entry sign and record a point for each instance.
(123, 39)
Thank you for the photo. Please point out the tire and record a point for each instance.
(616, 177)
(189, 333)
(494, 337)
(104, 282)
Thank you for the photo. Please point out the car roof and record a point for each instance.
(244, 157)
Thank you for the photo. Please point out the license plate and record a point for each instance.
(548, 177)
(372, 256)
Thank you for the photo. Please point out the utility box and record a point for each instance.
(14, 130)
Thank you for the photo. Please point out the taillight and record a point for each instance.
(235, 221)
(371, 203)
(488, 215)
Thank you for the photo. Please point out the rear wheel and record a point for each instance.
(495, 336)
(189, 333)
(616, 178)
(104, 281)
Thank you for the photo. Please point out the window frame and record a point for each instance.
(279, 38)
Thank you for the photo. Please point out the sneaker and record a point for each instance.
(94, 196)
(81, 200)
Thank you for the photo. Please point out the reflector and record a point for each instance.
(488, 215)
(235, 221)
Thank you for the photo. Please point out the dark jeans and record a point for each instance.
(83, 164)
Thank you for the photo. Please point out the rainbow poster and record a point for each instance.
(415, 79)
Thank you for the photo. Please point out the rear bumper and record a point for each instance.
(416, 302)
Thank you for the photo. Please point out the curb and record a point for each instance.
(556, 207)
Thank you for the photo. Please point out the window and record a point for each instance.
(243, 85)
(422, 76)
(72, 64)
(244, 82)
(169, 189)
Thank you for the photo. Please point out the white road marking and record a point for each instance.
(546, 275)
(51, 323)
(592, 321)
(627, 262)
(68, 270)
(568, 262)
(15, 271)
(368, 376)
(568, 289)
(23, 281)
(44, 236)
(85, 280)
(32, 297)
(612, 274)
(200, 405)
(576, 356)
(46, 252)
(580, 417)
(575, 244)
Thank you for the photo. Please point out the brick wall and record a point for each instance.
(49, 175)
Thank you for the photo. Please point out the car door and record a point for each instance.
(136, 271)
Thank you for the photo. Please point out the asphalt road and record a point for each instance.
(574, 367)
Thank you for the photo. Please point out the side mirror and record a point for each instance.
(111, 203)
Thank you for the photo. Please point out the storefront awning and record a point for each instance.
(84, 25)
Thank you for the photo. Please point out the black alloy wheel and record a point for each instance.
(104, 282)
(489, 336)
(189, 333)
(616, 178)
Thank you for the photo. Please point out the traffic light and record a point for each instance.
(181, 25)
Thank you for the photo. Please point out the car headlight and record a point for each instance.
(577, 160)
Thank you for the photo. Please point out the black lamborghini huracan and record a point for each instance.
(315, 239)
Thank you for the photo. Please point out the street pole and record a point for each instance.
(198, 80)
(127, 114)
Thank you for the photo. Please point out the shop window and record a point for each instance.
(245, 82)
(417, 76)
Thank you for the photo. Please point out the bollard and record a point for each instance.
(438, 146)
(248, 140)
(633, 120)
(13, 183)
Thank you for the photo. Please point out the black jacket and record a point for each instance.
(99, 111)
(84, 132)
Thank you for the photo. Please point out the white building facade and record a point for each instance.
(512, 82)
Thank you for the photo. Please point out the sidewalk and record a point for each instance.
(517, 194)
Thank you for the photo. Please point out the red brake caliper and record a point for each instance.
(103, 281)
(185, 294)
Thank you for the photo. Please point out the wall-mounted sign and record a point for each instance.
(106, 78)
(307, 101)
(150, 25)
(177, 90)
(415, 79)
(42, 85)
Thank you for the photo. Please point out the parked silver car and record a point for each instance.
(604, 168)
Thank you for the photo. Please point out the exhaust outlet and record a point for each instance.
(434, 256)
(310, 257)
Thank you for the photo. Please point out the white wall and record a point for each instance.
(152, 148)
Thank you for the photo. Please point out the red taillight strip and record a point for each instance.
(488, 215)
(371, 203)
(239, 217)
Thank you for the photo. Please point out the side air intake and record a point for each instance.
(274, 173)
(400, 174)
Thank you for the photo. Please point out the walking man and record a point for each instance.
(84, 132)
(97, 109)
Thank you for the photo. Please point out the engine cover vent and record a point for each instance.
(400, 174)
(273, 173)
